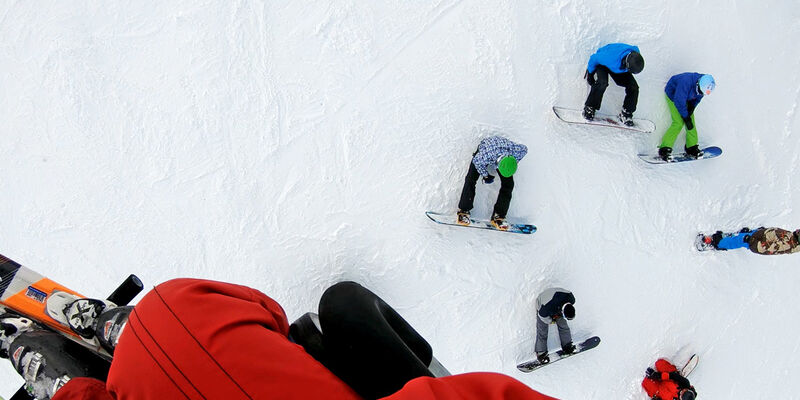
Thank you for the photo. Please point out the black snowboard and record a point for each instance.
(587, 344)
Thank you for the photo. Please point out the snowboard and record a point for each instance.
(450, 219)
(572, 116)
(689, 366)
(708, 152)
(533, 365)
(25, 292)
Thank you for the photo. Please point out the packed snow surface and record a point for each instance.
(288, 145)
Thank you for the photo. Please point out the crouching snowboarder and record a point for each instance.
(620, 61)
(766, 241)
(554, 306)
(684, 92)
(494, 153)
(666, 383)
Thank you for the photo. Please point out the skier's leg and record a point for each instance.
(190, 338)
(504, 197)
(675, 128)
(597, 90)
(47, 360)
(368, 344)
(468, 191)
(541, 336)
(564, 334)
(691, 134)
(627, 81)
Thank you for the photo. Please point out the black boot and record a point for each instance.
(694, 151)
(588, 113)
(665, 153)
(626, 117)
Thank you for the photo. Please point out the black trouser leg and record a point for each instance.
(627, 81)
(468, 192)
(598, 89)
(504, 197)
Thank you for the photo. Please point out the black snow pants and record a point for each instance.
(624, 79)
(468, 192)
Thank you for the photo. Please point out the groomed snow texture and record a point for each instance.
(288, 145)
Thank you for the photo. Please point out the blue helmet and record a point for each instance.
(706, 84)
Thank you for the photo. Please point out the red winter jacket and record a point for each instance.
(196, 339)
(665, 388)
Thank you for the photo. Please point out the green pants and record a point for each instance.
(677, 124)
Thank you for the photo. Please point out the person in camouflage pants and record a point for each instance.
(765, 241)
(775, 241)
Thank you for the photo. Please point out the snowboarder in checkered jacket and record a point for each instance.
(494, 153)
(765, 241)
(554, 306)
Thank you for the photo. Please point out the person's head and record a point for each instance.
(706, 84)
(506, 166)
(797, 237)
(634, 62)
(687, 394)
(568, 311)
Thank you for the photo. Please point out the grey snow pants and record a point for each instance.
(542, 331)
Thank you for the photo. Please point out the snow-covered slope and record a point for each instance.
(288, 145)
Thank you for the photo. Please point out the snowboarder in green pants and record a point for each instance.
(684, 92)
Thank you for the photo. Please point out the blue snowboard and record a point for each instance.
(450, 219)
(708, 152)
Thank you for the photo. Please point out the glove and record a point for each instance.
(653, 374)
(690, 107)
(688, 122)
(590, 78)
(568, 348)
(488, 179)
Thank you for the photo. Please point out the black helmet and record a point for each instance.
(568, 310)
(634, 62)
(687, 394)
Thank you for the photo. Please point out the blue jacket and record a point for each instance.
(682, 90)
(492, 149)
(611, 56)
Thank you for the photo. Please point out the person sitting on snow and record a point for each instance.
(666, 383)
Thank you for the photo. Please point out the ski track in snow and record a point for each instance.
(288, 146)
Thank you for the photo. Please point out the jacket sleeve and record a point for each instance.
(472, 386)
(681, 101)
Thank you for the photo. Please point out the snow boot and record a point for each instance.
(665, 153)
(463, 218)
(694, 151)
(626, 117)
(588, 113)
(499, 222)
(568, 348)
(542, 357)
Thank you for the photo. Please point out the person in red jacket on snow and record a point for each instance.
(199, 339)
(666, 383)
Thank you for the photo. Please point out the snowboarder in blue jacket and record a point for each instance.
(620, 61)
(684, 92)
(494, 153)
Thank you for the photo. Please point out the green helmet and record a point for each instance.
(507, 166)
